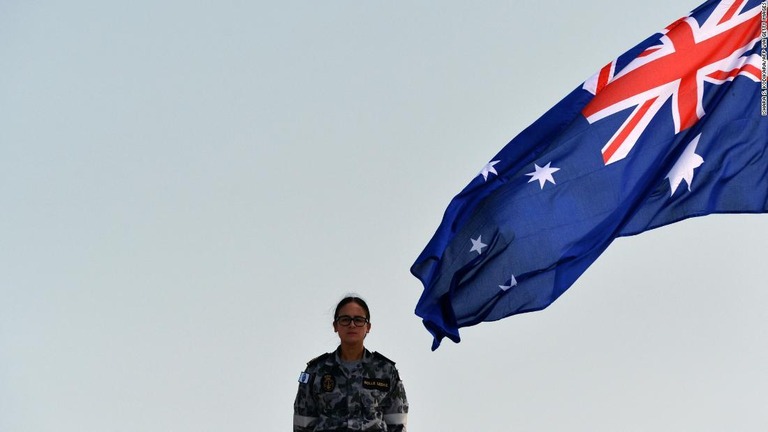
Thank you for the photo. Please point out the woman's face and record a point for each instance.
(351, 334)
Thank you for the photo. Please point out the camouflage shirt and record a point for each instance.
(366, 395)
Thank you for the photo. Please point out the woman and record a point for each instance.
(351, 388)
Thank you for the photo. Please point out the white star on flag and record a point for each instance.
(683, 168)
(543, 175)
(512, 283)
(478, 245)
(488, 168)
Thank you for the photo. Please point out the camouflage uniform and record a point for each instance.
(367, 395)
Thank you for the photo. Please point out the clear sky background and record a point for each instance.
(187, 188)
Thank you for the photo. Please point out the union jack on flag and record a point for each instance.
(688, 55)
(682, 108)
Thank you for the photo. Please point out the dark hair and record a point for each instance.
(352, 299)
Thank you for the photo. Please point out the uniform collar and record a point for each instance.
(366, 355)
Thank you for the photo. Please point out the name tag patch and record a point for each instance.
(376, 384)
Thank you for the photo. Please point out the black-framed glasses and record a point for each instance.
(345, 320)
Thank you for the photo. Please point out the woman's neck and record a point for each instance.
(351, 352)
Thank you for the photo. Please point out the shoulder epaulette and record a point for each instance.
(378, 355)
(318, 359)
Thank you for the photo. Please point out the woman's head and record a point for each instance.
(351, 320)
(352, 299)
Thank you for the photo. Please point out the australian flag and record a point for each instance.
(674, 128)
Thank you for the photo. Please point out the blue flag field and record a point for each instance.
(674, 128)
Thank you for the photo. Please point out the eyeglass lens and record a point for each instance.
(346, 320)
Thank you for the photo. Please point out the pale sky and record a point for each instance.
(188, 188)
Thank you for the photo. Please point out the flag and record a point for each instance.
(674, 128)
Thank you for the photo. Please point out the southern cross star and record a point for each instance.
(512, 283)
(478, 245)
(543, 175)
(488, 168)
